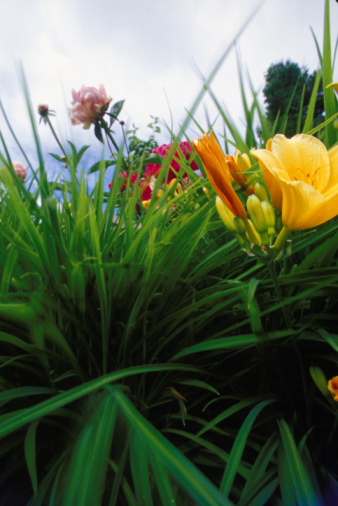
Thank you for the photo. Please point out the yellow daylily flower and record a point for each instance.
(302, 178)
(270, 181)
(218, 173)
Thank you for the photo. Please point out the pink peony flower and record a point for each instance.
(20, 170)
(89, 104)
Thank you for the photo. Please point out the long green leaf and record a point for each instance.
(195, 483)
(238, 448)
(302, 484)
(44, 408)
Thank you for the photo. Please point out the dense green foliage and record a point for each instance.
(146, 359)
(287, 92)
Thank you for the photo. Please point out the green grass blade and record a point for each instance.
(331, 135)
(30, 454)
(312, 104)
(86, 477)
(229, 342)
(139, 464)
(195, 483)
(264, 459)
(162, 481)
(217, 67)
(238, 448)
(301, 482)
(44, 408)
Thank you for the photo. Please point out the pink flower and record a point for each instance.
(89, 104)
(19, 170)
(147, 182)
(124, 175)
(185, 149)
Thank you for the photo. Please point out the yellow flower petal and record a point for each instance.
(333, 157)
(305, 174)
(303, 206)
(304, 157)
(267, 162)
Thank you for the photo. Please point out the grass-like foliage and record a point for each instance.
(146, 358)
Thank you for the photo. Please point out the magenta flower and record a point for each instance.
(124, 175)
(147, 182)
(89, 105)
(152, 169)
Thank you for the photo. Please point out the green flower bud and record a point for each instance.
(240, 226)
(260, 192)
(233, 223)
(270, 217)
(254, 231)
(226, 215)
(256, 213)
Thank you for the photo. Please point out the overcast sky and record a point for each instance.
(144, 51)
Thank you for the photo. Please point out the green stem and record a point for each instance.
(287, 319)
(55, 136)
(275, 281)
(111, 138)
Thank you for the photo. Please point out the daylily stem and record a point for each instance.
(275, 281)
(282, 238)
(286, 314)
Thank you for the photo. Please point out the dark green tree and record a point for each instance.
(284, 80)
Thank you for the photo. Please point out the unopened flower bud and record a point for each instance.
(44, 112)
(255, 233)
(260, 192)
(226, 215)
(43, 109)
(239, 225)
(256, 213)
(243, 161)
(270, 217)
(19, 170)
(237, 174)
(233, 223)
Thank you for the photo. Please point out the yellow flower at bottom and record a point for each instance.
(333, 387)
(302, 178)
